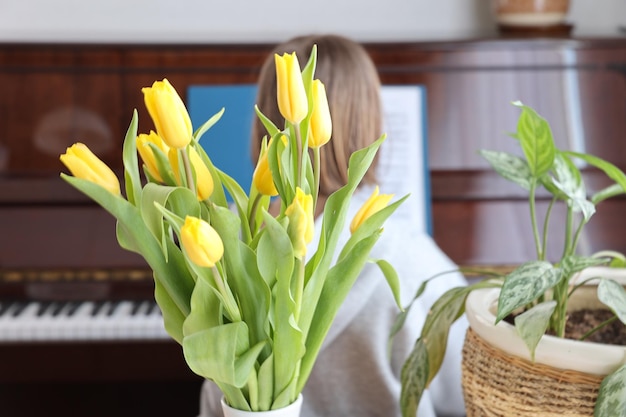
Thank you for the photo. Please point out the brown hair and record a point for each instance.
(353, 91)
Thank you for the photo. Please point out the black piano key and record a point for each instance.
(19, 307)
(5, 306)
(112, 307)
(97, 307)
(56, 308)
(42, 308)
(152, 308)
(136, 307)
(72, 307)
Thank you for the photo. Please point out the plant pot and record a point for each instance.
(500, 379)
(292, 410)
(530, 13)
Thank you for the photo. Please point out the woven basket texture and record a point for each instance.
(496, 384)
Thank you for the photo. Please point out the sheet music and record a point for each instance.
(402, 167)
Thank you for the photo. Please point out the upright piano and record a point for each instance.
(79, 332)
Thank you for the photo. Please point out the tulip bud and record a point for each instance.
(292, 100)
(201, 242)
(82, 163)
(147, 153)
(321, 126)
(204, 180)
(374, 204)
(168, 113)
(301, 222)
(262, 177)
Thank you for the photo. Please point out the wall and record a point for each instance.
(191, 21)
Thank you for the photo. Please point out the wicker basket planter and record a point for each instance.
(500, 379)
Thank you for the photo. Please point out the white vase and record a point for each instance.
(292, 410)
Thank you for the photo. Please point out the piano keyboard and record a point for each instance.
(23, 321)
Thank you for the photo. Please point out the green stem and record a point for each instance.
(229, 300)
(598, 327)
(567, 246)
(188, 170)
(546, 222)
(316, 171)
(577, 235)
(533, 219)
(252, 215)
(299, 151)
(299, 288)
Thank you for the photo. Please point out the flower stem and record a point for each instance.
(229, 300)
(316, 171)
(188, 170)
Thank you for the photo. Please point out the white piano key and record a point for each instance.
(39, 321)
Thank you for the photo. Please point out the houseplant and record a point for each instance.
(239, 288)
(537, 293)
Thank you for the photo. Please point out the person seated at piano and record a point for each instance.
(353, 375)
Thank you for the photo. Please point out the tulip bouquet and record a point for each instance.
(240, 289)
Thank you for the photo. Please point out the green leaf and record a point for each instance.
(525, 284)
(535, 137)
(266, 383)
(510, 167)
(206, 308)
(230, 361)
(271, 128)
(414, 379)
(333, 222)
(612, 396)
(613, 295)
(131, 165)
(207, 125)
(568, 182)
(174, 276)
(606, 193)
(338, 283)
(428, 353)
(392, 280)
(572, 264)
(608, 168)
(532, 324)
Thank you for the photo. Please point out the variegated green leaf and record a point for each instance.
(414, 379)
(611, 400)
(525, 284)
(535, 137)
(613, 295)
(532, 324)
(608, 168)
(510, 167)
(574, 263)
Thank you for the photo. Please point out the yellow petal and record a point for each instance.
(168, 113)
(321, 125)
(374, 204)
(82, 163)
(290, 92)
(201, 242)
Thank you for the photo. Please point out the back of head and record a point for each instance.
(353, 91)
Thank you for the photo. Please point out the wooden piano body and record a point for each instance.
(55, 243)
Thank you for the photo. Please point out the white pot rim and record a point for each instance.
(567, 354)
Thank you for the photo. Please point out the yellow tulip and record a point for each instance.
(82, 163)
(201, 242)
(321, 125)
(292, 100)
(262, 177)
(301, 222)
(204, 180)
(147, 153)
(169, 114)
(374, 204)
